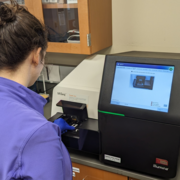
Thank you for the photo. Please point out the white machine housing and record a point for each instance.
(81, 85)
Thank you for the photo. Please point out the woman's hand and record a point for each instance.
(63, 125)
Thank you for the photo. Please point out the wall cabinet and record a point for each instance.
(89, 173)
(84, 27)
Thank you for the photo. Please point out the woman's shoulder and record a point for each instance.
(18, 111)
(22, 119)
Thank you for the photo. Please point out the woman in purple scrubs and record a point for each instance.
(30, 146)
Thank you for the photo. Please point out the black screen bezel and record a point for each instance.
(173, 115)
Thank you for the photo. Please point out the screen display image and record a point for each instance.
(143, 86)
(140, 81)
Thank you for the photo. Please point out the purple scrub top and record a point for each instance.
(30, 146)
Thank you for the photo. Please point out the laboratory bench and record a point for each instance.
(80, 159)
(88, 167)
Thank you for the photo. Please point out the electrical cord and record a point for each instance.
(50, 88)
(39, 91)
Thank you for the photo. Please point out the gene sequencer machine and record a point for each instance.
(133, 107)
(76, 100)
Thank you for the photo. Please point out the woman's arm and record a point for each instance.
(44, 155)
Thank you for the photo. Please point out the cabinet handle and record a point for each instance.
(88, 42)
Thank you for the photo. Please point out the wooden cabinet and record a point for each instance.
(81, 28)
(35, 8)
(89, 173)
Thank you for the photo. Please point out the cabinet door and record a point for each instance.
(92, 18)
(89, 173)
(67, 25)
(35, 8)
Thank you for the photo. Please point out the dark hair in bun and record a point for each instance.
(7, 14)
(20, 34)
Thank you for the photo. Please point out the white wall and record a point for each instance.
(156, 25)
(145, 25)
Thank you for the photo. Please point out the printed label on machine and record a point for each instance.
(74, 98)
(112, 158)
(78, 98)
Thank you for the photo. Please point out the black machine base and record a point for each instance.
(139, 145)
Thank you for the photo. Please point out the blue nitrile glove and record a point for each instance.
(64, 126)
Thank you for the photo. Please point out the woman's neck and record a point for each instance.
(20, 75)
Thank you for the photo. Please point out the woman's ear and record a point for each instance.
(37, 56)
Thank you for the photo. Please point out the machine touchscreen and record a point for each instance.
(143, 86)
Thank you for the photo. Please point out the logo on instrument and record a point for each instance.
(62, 94)
(162, 162)
(160, 167)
